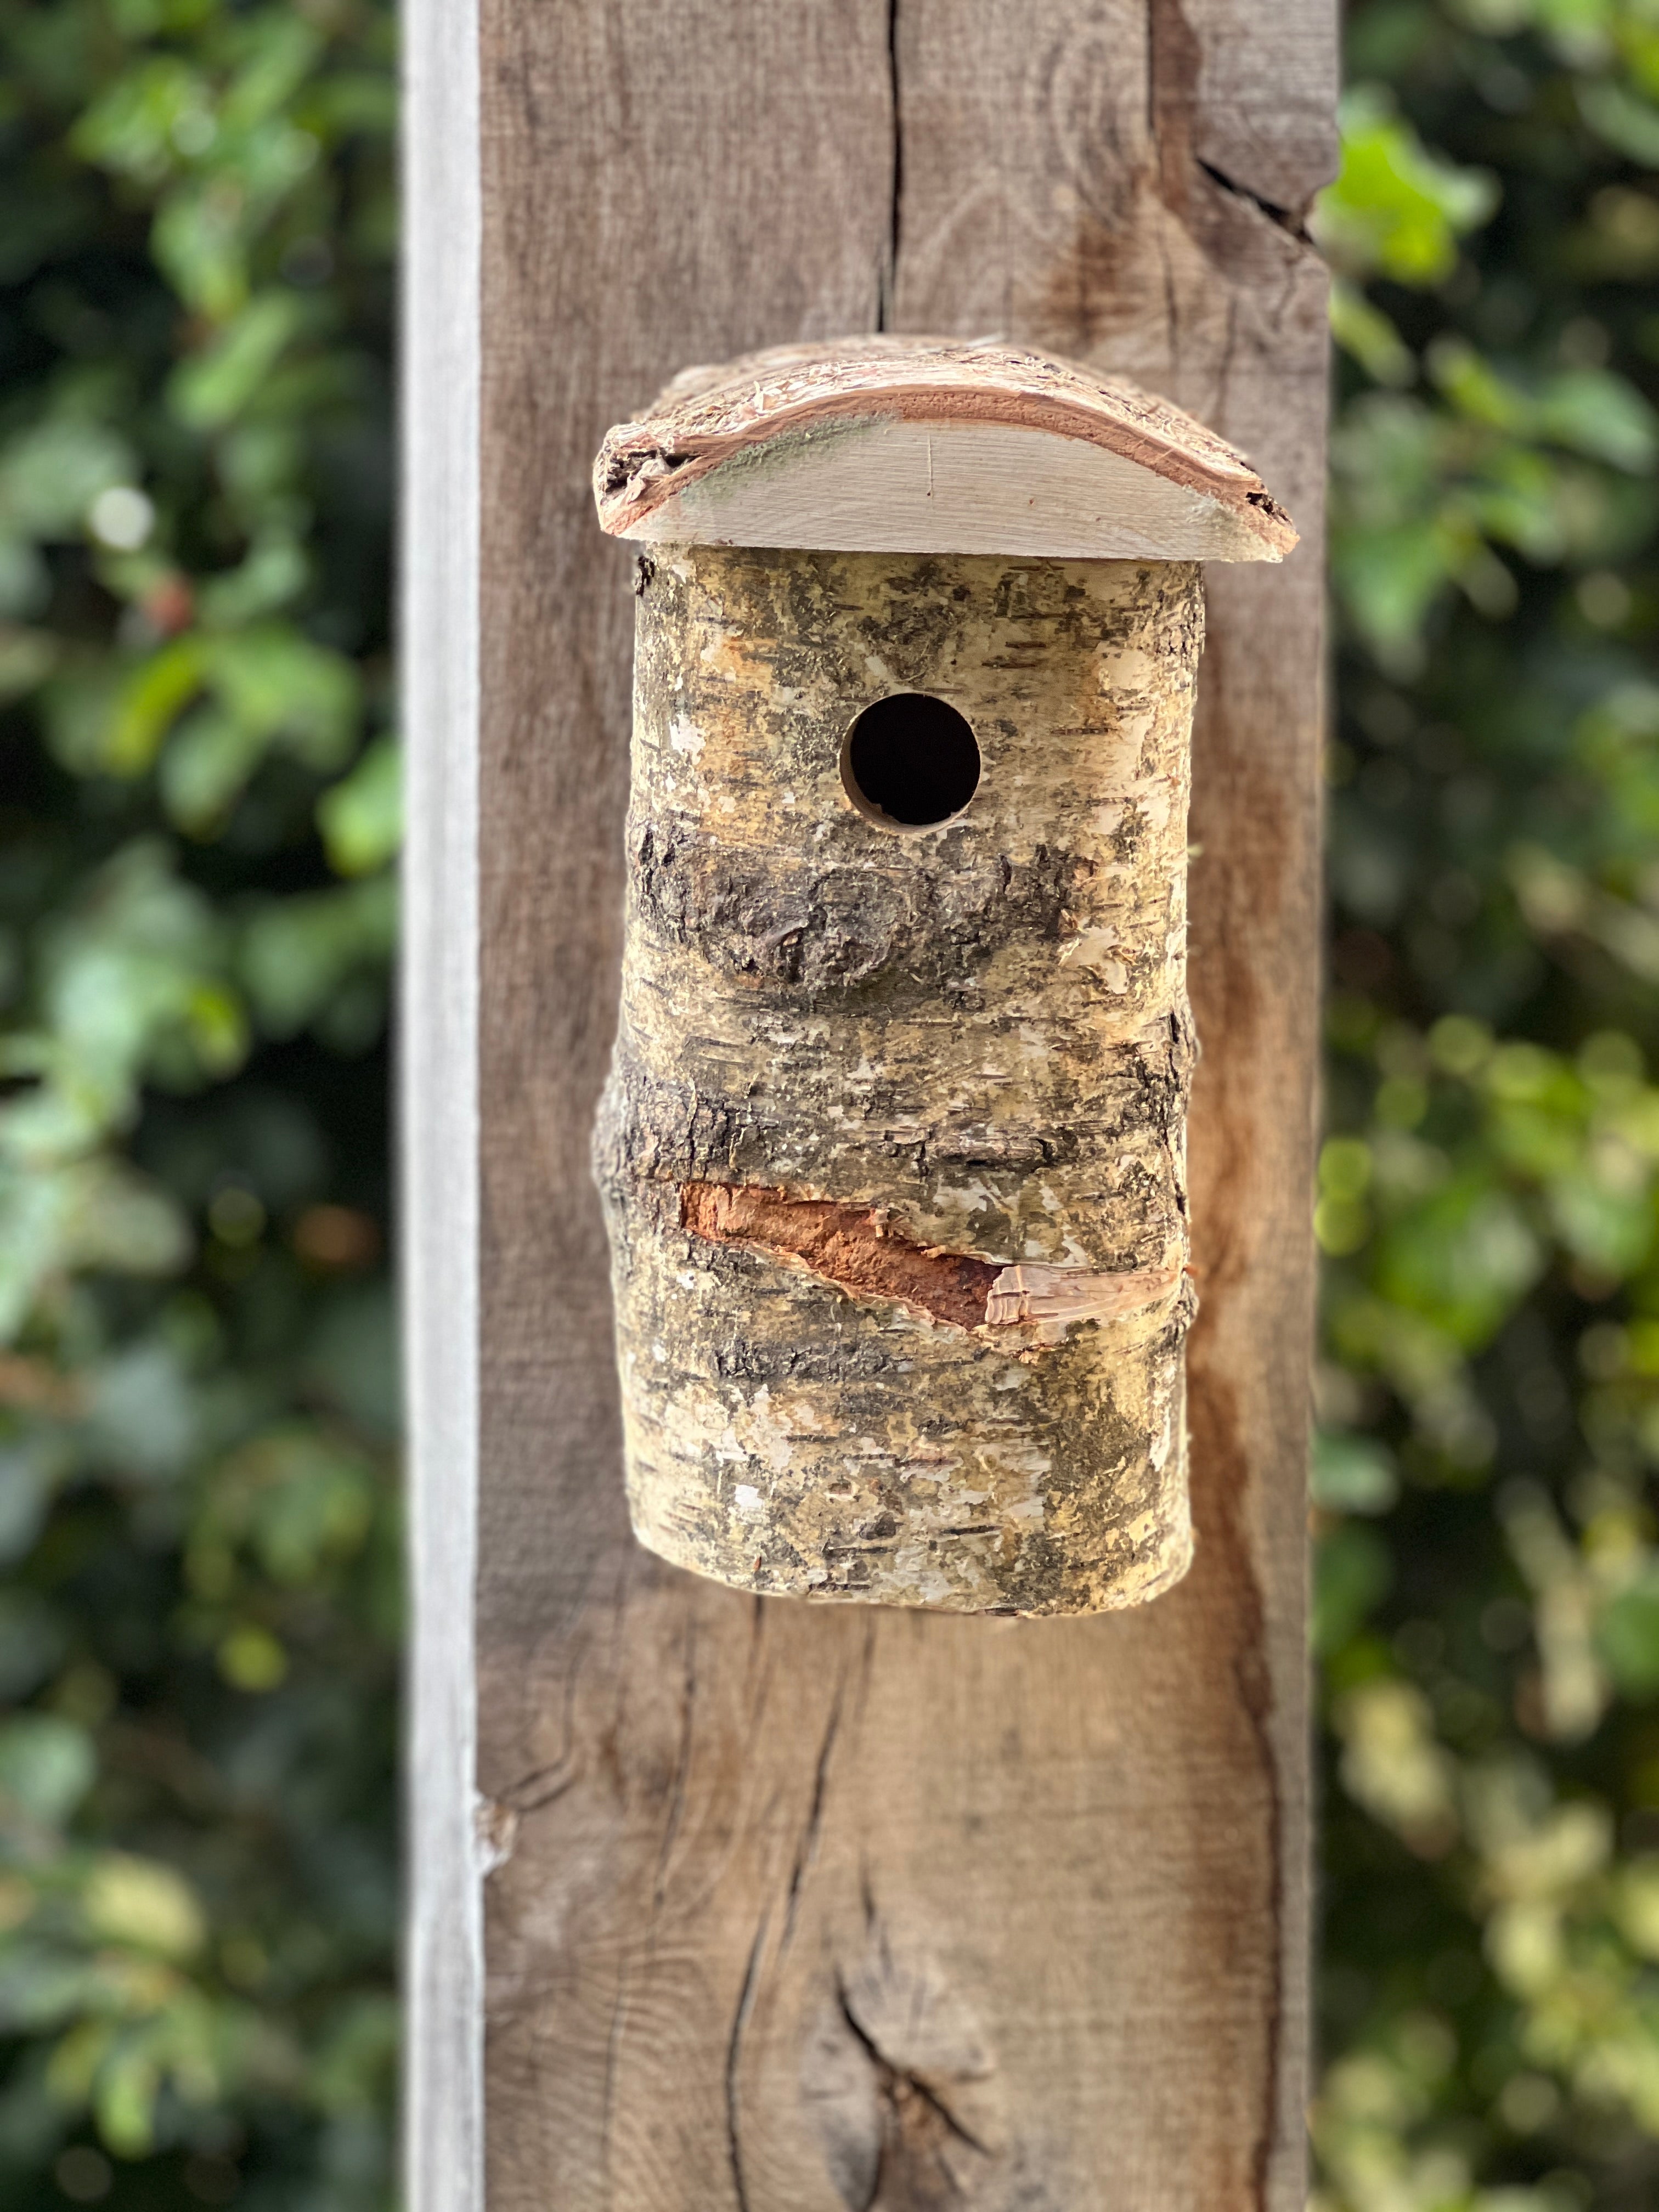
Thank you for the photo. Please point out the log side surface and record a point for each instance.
(795, 1909)
(894, 1144)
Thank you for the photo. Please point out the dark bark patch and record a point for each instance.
(919, 928)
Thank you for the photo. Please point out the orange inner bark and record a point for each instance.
(848, 1244)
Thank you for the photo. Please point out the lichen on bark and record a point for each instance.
(864, 1079)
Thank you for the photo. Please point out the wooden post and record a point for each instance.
(794, 1907)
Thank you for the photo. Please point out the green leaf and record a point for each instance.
(1352, 1473)
(361, 817)
(143, 1418)
(253, 1660)
(124, 2098)
(206, 766)
(47, 1767)
(141, 1902)
(200, 240)
(210, 389)
(1630, 125)
(276, 683)
(1608, 1225)
(274, 573)
(271, 688)
(135, 128)
(280, 49)
(1365, 332)
(1396, 210)
(52, 472)
(1463, 1258)
(41, 1987)
(136, 967)
(298, 953)
(1352, 1573)
(1627, 1636)
(149, 703)
(1595, 412)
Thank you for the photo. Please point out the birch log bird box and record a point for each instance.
(893, 1146)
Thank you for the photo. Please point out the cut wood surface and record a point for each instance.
(888, 444)
(796, 1910)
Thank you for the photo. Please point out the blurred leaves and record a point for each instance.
(196, 910)
(1486, 1609)
(1396, 210)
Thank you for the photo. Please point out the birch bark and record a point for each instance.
(893, 1148)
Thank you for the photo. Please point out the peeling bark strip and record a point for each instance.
(951, 1375)
(847, 1244)
(854, 1247)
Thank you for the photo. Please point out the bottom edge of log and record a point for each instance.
(819, 1586)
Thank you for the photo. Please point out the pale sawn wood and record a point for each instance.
(882, 444)
(797, 1911)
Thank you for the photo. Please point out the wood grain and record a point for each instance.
(796, 1911)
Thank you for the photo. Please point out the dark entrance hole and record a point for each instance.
(910, 760)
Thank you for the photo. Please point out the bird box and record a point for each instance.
(892, 1150)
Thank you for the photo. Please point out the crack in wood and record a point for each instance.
(1175, 111)
(809, 1842)
(1287, 220)
(917, 2124)
(733, 2062)
(887, 278)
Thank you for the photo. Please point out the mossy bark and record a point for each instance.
(892, 1149)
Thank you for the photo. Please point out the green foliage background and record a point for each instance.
(198, 804)
(198, 813)
(1488, 1597)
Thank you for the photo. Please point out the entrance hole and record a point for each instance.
(911, 762)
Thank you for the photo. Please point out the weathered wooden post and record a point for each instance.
(894, 1142)
(723, 1902)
